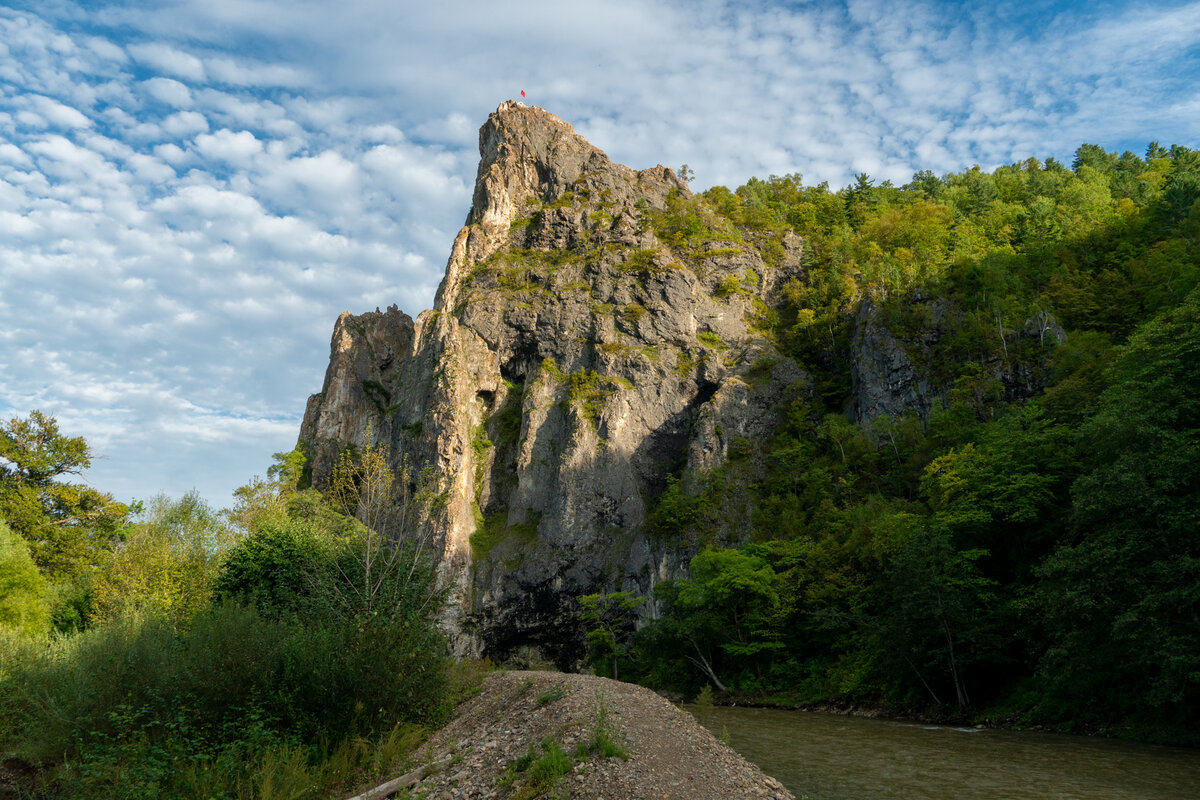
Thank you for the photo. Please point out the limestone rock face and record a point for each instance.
(573, 360)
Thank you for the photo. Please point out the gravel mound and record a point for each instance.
(490, 747)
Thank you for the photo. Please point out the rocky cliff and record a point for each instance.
(572, 362)
(598, 334)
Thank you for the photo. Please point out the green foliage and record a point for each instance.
(165, 562)
(1120, 595)
(938, 615)
(564, 200)
(22, 588)
(721, 616)
(551, 695)
(551, 368)
(541, 773)
(687, 223)
(685, 363)
(609, 620)
(729, 285)
(132, 709)
(603, 739)
(641, 259)
(495, 529)
(675, 512)
(220, 672)
(506, 422)
(378, 394)
(588, 390)
(271, 569)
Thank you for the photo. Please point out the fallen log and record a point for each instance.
(405, 780)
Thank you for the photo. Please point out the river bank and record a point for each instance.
(998, 718)
(844, 757)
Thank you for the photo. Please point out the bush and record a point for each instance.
(274, 569)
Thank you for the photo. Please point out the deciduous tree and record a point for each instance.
(66, 524)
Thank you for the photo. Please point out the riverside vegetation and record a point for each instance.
(1018, 543)
(280, 648)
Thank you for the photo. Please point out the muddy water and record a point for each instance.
(829, 757)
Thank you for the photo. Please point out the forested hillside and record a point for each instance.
(1026, 538)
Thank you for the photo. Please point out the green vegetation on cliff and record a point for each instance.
(1023, 543)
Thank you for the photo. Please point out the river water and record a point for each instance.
(831, 757)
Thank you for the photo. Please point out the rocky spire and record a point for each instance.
(572, 361)
(529, 157)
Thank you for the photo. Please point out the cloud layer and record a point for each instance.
(190, 193)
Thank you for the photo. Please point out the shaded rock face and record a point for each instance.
(571, 363)
(895, 374)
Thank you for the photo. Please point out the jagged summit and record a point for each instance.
(530, 158)
(526, 151)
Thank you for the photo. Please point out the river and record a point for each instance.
(831, 757)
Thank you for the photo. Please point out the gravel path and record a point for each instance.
(670, 754)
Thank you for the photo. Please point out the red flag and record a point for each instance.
(522, 93)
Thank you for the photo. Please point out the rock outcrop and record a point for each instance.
(893, 373)
(576, 356)
(598, 334)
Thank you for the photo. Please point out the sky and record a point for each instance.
(191, 191)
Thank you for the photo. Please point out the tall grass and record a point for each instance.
(240, 705)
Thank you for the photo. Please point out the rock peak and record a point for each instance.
(573, 361)
(527, 153)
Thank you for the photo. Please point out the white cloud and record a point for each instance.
(169, 60)
(225, 145)
(105, 49)
(200, 205)
(172, 154)
(57, 114)
(169, 91)
(12, 154)
(185, 123)
(240, 73)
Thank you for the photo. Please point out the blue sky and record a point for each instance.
(191, 191)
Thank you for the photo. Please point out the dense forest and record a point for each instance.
(1026, 549)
